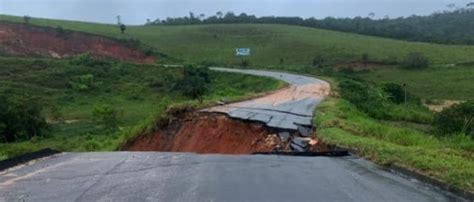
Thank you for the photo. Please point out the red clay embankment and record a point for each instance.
(208, 133)
(34, 41)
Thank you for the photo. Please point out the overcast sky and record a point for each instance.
(137, 11)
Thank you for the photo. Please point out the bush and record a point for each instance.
(456, 119)
(83, 83)
(365, 59)
(396, 94)
(195, 82)
(106, 116)
(56, 114)
(367, 98)
(86, 59)
(318, 61)
(21, 119)
(61, 32)
(415, 61)
(245, 63)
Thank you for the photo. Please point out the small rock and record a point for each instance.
(297, 148)
(302, 142)
(304, 131)
(284, 136)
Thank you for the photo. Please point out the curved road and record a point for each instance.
(287, 108)
(154, 176)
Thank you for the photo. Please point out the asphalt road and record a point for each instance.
(154, 176)
(287, 108)
(142, 176)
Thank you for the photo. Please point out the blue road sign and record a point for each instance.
(242, 51)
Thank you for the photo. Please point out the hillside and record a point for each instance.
(69, 93)
(387, 125)
(272, 45)
(445, 27)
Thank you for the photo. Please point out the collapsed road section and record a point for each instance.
(289, 110)
(278, 122)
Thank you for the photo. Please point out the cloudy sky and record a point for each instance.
(137, 11)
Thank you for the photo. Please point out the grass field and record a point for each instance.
(139, 92)
(289, 48)
(450, 83)
(296, 46)
(449, 158)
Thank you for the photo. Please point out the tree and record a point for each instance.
(119, 20)
(56, 114)
(26, 19)
(456, 119)
(365, 59)
(195, 82)
(122, 28)
(219, 14)
(21, 118)
(106, 117)
(451, 6)
(371, 15)
(415, 60)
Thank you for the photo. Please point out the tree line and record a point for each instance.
(447, 27)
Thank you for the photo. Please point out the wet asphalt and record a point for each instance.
(149, 176)
(155, 176)
(285, 109)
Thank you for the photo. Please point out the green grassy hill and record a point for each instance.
(404, 135)
(72, 92)
(297, 46)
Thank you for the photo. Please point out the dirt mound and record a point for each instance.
(33, 41)
(208, 133)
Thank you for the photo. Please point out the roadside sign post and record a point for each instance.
(241, 53)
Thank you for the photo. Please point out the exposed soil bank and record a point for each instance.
(34, 41)
(209, 133)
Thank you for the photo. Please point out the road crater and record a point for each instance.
(278, 122)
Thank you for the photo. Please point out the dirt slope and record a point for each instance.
(33, 41)
(208, 133)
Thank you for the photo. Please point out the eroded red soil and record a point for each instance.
(208, 133)
(27, 40)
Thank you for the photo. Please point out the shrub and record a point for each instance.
(456, 119)
(106, 116)
(130, 42)
(318, 61)
(245, 63)
(56, 114)
(396, 94)
(83, 83)
(415, 60)
(366, 97)
(21, 119)
(86, 59)
(61, 32)
(26, 19)
(195, 82)
(365, 59)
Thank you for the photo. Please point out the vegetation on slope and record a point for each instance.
(438, 82)
(449, 27)
(448, 157)
(388, 133)
(271, 45)
(95, 105)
